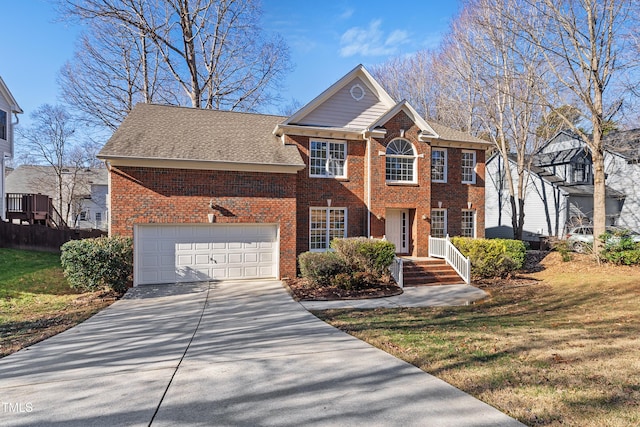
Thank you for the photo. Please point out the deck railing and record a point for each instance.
(396, 271)
(443, 248)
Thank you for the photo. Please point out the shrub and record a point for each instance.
(621, 250)
(492, 257)
(562, 247)
(359, 254)
(320, 267)
(349, 281)
(91, 264)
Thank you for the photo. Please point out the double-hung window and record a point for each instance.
(439, 165)
(468, 162)
(3, 125)
(468, 223)
(438, 222)
(327, 159)
(400, 162)
(325, 224)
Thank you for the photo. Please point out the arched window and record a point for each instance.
(401, 161)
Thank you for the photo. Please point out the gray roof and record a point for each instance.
(624, 143)
(36, 179)
(560, 157)
(450, 134)
(178, 133)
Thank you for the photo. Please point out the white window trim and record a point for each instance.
(400, 156)
(446, 158)
(473, 170)
(444, 210)
(475, 225)
(326, 167)
(327, 210)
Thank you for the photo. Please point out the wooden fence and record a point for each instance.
(40, 237)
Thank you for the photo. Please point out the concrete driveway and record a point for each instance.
(229, 354)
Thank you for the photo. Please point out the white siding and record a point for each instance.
(545, 206)
(342, 110)
(624, 177)
(561, 142)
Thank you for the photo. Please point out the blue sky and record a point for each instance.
(326, 38)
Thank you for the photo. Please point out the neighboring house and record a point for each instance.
(216, 195)
(8, 107)
(84, 192)
(559, 192)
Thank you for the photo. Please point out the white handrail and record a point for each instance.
(443, 248)
(396, 268)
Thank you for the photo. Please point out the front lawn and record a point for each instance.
(560, 346)
(36, 301)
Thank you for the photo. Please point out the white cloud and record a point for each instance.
(371, 41)
(346, 14)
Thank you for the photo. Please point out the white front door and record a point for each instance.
(397, 229)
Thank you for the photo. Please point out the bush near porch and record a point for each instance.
(492, 257)
(354, 263)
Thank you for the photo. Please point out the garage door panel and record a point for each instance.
(235, 258)
(169, 253)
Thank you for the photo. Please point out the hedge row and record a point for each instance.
(492, 257)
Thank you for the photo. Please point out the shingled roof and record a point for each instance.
(450, 134)
(178, 133)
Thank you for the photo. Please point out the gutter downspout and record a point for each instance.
(369, 186)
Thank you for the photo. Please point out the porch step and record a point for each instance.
(432, 271)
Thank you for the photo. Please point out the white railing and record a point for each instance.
(443, 248)
(396, 271)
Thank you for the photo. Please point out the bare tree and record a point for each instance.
(112, 70)
(50, 141)
(214, 49)
(581, 45)
(408, 77)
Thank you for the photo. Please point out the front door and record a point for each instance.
(397, 229)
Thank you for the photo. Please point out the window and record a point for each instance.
(468, 167)
(3, 125)
(468, 224)
(98, 219)
(439, 165)
(83, 216)
(327, 159)
(438, 222)
(581, 171)
(401, 161)
(326, 224)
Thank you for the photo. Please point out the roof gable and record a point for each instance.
(6, 94)
(353, 102)
(404, 106)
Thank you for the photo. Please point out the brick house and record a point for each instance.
(212, 194)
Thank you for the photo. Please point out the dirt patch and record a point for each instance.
(301, 290)
(16, 335)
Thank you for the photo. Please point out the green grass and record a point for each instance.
(558, 349)
(36, 300)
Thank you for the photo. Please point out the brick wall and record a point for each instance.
(344, 193)
(455, 195)
(156, 195)
(415, 197)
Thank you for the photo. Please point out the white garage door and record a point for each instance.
(187, 253)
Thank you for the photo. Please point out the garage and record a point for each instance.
(187, 253)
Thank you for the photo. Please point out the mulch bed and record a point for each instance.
(302, 291)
